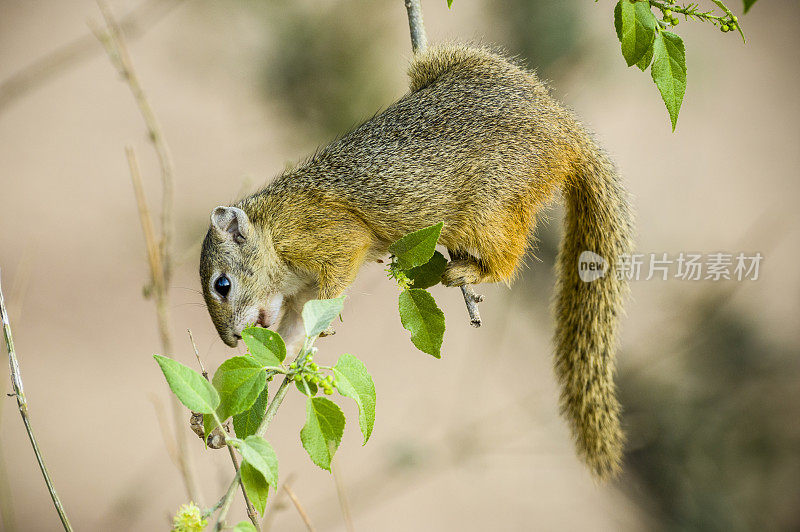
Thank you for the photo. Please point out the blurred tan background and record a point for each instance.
(708, 372)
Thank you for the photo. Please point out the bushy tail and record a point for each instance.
(598, 220)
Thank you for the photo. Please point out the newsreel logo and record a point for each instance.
(591, 266)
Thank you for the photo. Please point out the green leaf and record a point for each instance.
(430, 273)
(246, 423)
(450, 3)
(244, 526)
(415, 249)
(255, 485)
(646, 59)
(669, 72)
(319, 313)
(239, 381)
(323, 430)
(265, 346)
(193, 390)
(748, 4)
(353, 380)
(257, 452)
(420, 315)
(636, 28)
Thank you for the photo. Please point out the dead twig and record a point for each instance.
(22, 404)
(303, 515)
(45, 69)
(158, 251)
(342, 496)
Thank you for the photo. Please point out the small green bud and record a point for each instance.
(314, 379)
(297, 378)
(667, 13)
(735, 18)
(675, 21)
(313, 367)
(310, 359)
(329, 378)
(292, 366)
(724, 28)
(731, 26)
(328, 390)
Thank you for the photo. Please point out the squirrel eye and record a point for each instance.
(222, 285)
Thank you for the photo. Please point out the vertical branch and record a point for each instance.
(123, 62)
(419, 42)
(303, 514)
(159, 252)
(342, 495)
(22, 403)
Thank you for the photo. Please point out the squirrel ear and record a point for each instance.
(232, 222)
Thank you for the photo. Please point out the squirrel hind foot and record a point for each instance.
(463, 271)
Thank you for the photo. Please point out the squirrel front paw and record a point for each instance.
(461, 272)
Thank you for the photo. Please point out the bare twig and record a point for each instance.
(60, 60)
(419, 42)
(472, 299)
(159, 255)
(225, 503)
(197, 355)
(300, 509)
(342, 496)
(251, 512)
(163, 425)
(22, 403)
(118, 52)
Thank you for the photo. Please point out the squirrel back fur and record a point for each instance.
(479, 144)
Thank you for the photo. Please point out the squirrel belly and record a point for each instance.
(479, 144)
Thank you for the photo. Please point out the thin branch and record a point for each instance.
(22, 403)
(419, 42)
(225, 502)
(43, 70)
(272, 409)
(117, 50)
(251, 512)
(197, 354)
(159, 255)
(471, 299)
(342, 496)
(300, 509)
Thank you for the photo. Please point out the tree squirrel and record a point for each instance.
(479, 144)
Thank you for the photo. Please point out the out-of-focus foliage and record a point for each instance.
(715, 440)
(540, 32)
(324, 61)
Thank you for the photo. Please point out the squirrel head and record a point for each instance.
(244, 280)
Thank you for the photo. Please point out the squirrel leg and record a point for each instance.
(290, 326)
(464, 269)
